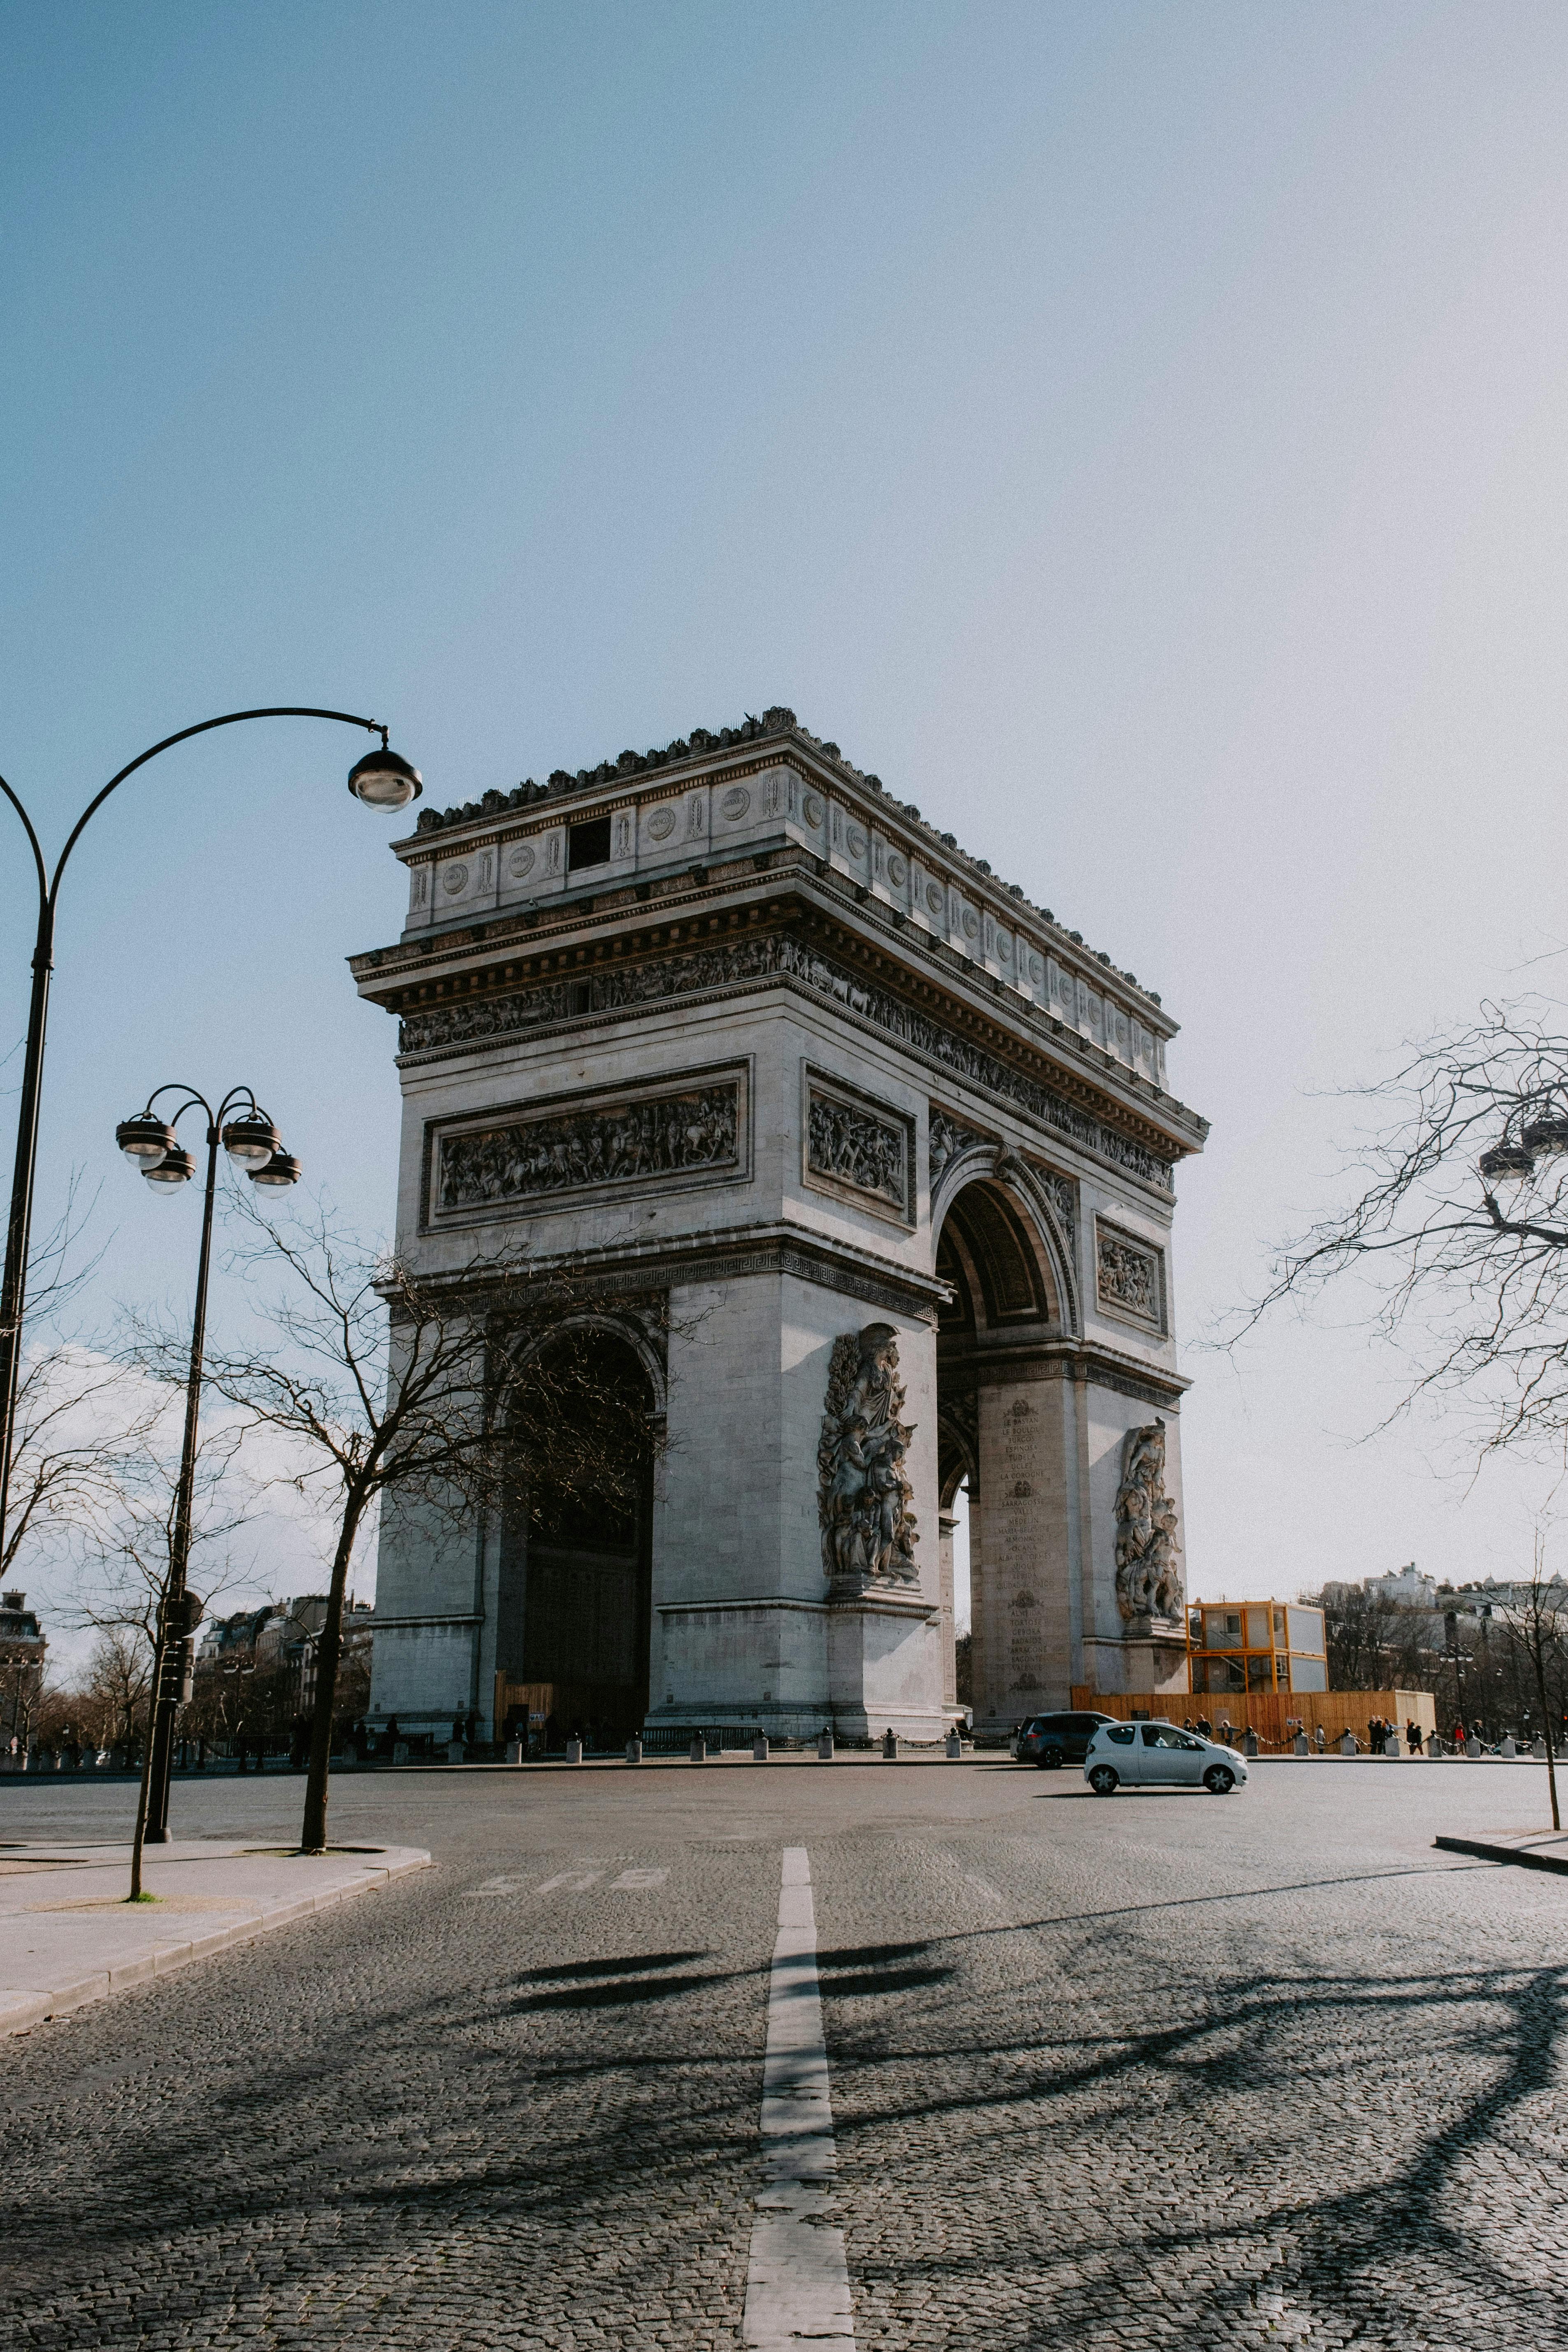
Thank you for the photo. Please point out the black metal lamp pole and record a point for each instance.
(382, 779)
(149, 1143)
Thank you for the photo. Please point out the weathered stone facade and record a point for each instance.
(735, 1028)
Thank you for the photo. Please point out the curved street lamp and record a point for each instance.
(382, 779)
(149, 1143)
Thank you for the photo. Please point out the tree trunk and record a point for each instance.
(1539, 1663)
(329, 1650)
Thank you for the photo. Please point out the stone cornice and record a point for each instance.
(1000, 1357)
(475, 980)
(636, 1268)
(893, 830)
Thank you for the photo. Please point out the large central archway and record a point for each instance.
(1002, 1252)
(575, 1602)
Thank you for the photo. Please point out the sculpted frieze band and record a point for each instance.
(697, 1130)
(774, 956)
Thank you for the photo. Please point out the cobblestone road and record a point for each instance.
(1174, 2069)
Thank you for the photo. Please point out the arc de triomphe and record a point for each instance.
(886, 1152)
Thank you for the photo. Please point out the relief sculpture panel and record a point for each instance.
(1148, 1570)
(856, 1150)
(695, 1130)
(1128, 1277)
(864, 1500)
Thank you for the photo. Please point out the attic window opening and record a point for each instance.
(588, 844)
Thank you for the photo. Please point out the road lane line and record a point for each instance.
(797, 2279)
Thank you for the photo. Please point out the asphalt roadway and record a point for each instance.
(1170, 2069)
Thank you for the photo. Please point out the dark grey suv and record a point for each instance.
(1053, 1740)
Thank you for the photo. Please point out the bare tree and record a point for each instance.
(1459, 1229)
(112, 1694)
(382, 1380)
(82, 1420)
(1374, 1644)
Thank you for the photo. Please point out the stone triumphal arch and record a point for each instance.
(859, 1168)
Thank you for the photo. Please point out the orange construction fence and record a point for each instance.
(1273, 1715)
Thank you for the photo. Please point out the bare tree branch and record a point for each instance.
(1469, 1281)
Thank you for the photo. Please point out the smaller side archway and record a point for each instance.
(574, 1592)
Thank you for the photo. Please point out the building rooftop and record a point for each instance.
(777, 720)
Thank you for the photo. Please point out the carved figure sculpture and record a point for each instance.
(864, 1499)
(1148, 1572)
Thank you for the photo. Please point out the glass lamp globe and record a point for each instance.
(281, 1169)
(174, 1169)
(145, 1141)
(250, 1142)
(384, 780)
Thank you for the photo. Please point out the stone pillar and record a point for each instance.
(1023, 1607)
(946, 1522)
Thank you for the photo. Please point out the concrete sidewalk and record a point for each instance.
(68, 1935)
(1532, 1849)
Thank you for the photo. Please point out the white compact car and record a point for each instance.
(1131, 1755)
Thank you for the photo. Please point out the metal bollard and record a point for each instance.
(1302, 1743)
(760, 1748)
(699, 1749)
(574, 1751)
(889, 1746)
(824, 1747)
(634, 1751)
(514, 1751)
(954, 1747)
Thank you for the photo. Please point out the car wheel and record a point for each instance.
(1051, 1761)
(1103, 1780)
(1219, 1779)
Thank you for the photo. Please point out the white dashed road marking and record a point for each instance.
(639, 1878)
(797, 2281)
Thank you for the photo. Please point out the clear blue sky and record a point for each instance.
(1137, 433)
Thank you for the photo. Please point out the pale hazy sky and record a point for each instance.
(1137, 433)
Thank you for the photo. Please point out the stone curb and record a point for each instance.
(20, 2010)
(1488, 1852)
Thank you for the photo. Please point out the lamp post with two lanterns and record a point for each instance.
(382, 779)
(1512, 1164)
(151, 1144)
